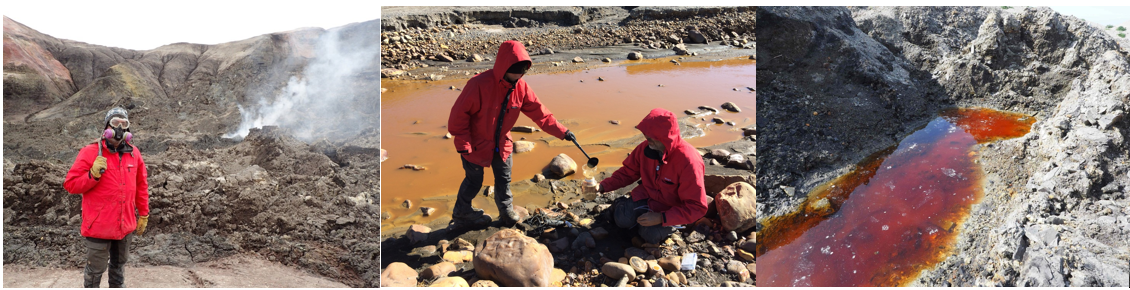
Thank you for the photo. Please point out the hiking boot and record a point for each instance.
(509, 217)
(470, 223)
(474, 214)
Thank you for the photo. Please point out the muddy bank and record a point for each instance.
(437, 42)
(581, 249)
(311, 203)
(856, 81)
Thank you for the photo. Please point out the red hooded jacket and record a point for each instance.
(673, 186)
(474, 118)
(108, 203)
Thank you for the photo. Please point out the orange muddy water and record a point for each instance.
(896, 214)
(414, 119)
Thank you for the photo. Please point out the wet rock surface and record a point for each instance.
(855, 81)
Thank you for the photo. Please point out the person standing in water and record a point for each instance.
(480, 124)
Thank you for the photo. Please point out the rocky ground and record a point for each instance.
(311, 204)
(437, 42)
(574, 241)
(855, 81)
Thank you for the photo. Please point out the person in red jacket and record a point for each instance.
(670, 172)
(111, 177)
(480, 123)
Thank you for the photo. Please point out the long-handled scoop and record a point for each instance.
(592, 160)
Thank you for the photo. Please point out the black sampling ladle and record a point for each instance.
(592, 160)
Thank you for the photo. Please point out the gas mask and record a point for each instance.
(118, 131)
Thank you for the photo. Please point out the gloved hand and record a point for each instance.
(98, 168)
(569, 136)
(142, 221)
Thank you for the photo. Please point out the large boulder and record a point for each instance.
(562, 165)
(737, 206)
(398, 275)
(512, 259)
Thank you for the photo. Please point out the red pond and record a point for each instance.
(896, 214)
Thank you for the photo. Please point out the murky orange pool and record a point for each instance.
(414, 116)
(896, 214)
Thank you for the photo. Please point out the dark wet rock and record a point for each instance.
(720, 154)
(418, 233)
(462, 245)
(614, 122)
(635, 55)
(599, 233)
(697, 37)
(681, 49)
(524, 129)
(427, 211)
(738, 161)
(708, 108)
(584, 241)
(512, 259)
(562, 165)
(718, 120)
(730, 106)
(414, 167)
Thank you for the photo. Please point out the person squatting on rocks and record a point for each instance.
(480, 123)
(671, 191)
(112, 188)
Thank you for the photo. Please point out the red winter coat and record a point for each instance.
(672, 186)
(108, 203)
(474, 117)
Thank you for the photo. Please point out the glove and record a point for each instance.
(142, 221)
(569, 136)
(98, 168)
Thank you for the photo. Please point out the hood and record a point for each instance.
(509, 53)
(661, 124)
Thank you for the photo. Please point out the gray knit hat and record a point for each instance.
(115, 112)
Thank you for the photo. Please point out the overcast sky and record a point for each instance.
(143, 25)
(1106, 15)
